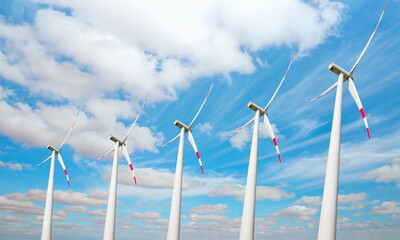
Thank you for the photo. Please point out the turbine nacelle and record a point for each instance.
(114, 139)
(51, 148)
(181, 125)
(255, 108)
(338, 70)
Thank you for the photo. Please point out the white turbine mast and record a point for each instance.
(327, 222)
(175, 214)
(109, 228)
(48, 209)
(247, 225)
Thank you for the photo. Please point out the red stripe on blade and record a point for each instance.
(130, 165)
(279, 155)
(135, 179)
(369, 136)
(362, 112)
(274, 140)
(198, 155)
(201, 169)
(69, 185)
(65, 172)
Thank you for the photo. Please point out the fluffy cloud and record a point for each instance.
(49, 125)
(150, 178)
(297, 211)
(240, 139)
(6, 93)
(205, 128)
(90, 64)
(387, 208)
(19, 207)
(145, 215)
(263, 192)
(98, 212)
(351, 201)
(114, 49)
(310, 201)
(75, 209)
(12, 166)
(355, 200)
(386, 173)
(218, 208)
(59, 197)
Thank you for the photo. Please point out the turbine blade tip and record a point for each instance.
(202, 171)
(135, 179)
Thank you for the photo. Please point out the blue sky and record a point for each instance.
(58, 57)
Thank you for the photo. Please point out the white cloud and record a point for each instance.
(387, 208)
(166, 48)
(241, 138)
(386, 173)
(361, 157)
(204, 128)
(310, 201)
(218, 208)
(149, 177)
(6, 93)
(208, 217)
(19, 207)
(263, 192)
(145, 215)
(8, 219)
(12, 166)
(49, 125)
(342, 219)
(59, 197)
(297, 211)
(98, 212)
(76, 209)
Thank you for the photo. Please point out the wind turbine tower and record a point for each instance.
(247, 224)
(109, 228)
(175, 213)
(327, 222)
(48, 209)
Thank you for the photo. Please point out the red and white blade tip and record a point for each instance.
(66, 174)
(363, 116)
(276, 146)
(314, 98)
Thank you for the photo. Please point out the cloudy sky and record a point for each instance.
(101, 58)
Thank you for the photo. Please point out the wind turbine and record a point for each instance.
(247, 225)
(175, 214)
(109, 229)
(327, 222)
(48, 209)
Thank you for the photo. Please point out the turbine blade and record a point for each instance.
(237, 130)
(202, 104)
(369, 41)
(44, 161)
(69, 132)
(133, 124)
(111, 150)
(63, 167)
(353, 91)
(125, 152)
(170, 141)
(271, 133)
(284, 76)
(191, 140)
(328, 90)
